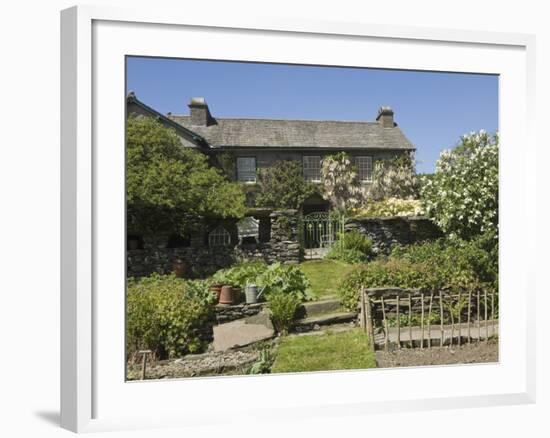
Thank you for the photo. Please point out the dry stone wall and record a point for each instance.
(387, 232)
(200, 261)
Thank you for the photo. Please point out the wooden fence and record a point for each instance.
(413, 318)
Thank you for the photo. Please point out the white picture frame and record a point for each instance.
(93, 40)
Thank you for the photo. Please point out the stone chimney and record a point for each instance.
(200, 115)
(385, 117)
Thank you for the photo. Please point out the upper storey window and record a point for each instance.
(364, 168)
(246, 169)
(312, 168)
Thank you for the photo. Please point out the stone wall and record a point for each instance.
(386, 232)
(201, 261)
(225, 313)
(198, 262)
(283, 245)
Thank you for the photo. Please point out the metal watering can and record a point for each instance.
(251, 293)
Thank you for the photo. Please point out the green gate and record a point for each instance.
(321, 229)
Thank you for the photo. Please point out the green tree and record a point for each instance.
(170, 187)
(283, 186)
(226, 163)
(462, 195)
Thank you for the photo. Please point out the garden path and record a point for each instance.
(243, 332)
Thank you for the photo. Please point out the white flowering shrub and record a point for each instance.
(394, 178)
(341, 184)
(462, 195)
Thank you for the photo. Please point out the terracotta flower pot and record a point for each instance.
(216, 290)
(226, 295)
(237, 294)
(179, 268)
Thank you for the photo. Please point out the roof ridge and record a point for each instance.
(370, 122)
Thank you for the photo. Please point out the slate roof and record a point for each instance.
(245, 132)
(182, 130)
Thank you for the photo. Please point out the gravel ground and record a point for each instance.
(238, 362)
(207, 364)
(410, 357)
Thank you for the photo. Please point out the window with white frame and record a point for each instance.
(246, 169)
(219, 237)
(312, 168)
(364, 168)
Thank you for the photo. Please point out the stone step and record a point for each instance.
(319, 307)
(312, 322)
(243, 332)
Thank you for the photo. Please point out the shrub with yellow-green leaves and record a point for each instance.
(167, 315)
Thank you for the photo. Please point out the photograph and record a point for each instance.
(288, 218)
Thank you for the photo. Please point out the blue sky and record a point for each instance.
(433, 109)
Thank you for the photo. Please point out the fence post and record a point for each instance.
(411, 344)
(478, 318)
(422, 321)
(386, 328)
(363, 310)
(486, 315)
(459, 317)
(144, 354)
(398, 325)
(429, 320)
(493, 312)
(469, 316)
(442, 341)
(369, 317)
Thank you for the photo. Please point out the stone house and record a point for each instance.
(256, 143)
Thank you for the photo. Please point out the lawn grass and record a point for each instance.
(331, 351)
(325, 276)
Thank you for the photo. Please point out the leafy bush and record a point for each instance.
(453, 258)
(391, 207)
(462, 195)
(431, 266)
(356, 241)
(165, 314)
(283, 307)
(443, 264)
(269, 278)
(382, 273)
(288, 279)
(283, 186)
(352, 247)
(346, 255)
(240, 275)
